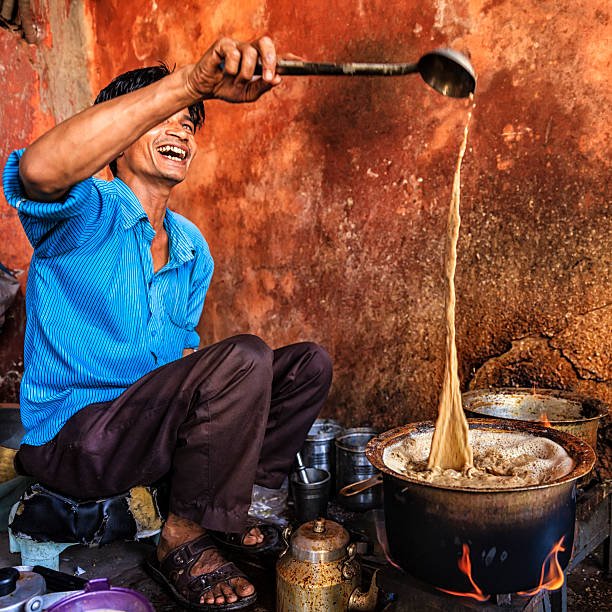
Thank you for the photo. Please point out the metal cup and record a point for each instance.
(318, 450)
(310, 498)
(352, 466)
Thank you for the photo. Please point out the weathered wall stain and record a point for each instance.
(325, 203)
(42, 84)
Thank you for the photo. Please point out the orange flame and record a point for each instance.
(465, 565)
(544, 420)
(555, 577)
(381, 535)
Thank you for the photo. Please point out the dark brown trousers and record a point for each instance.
(214, 423)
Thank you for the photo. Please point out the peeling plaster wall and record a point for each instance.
(43, 84)
(325, 203)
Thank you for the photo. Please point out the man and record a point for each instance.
(113, 394)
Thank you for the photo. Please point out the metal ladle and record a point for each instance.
(448, 72)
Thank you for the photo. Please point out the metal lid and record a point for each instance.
(323, 430)
(319, 541)
(19, 587)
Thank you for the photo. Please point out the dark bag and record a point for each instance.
(9, 287)
(47, 516)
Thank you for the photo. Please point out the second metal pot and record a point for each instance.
(566, 411)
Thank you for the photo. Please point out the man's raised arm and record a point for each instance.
(82, 145)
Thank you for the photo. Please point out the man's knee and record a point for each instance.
(252, 352)
(319, 366)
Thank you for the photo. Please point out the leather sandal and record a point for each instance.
(174, 573)
(235, 541)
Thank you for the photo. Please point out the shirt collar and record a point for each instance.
(182, 248)
(130, 205)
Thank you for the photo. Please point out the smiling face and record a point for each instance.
(164, 153)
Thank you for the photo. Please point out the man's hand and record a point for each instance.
(226, 71)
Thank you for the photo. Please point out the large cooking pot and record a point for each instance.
(564, 410)
(509, 532)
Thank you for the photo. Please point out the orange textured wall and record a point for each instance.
(42, 84)
(325, 203)
(20, 117)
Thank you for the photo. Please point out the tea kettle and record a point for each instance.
(318, 571)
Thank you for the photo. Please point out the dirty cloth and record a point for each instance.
(215, 422)
(98, 316)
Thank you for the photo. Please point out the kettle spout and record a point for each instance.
(365, 602)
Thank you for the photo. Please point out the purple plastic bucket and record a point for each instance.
(99, 596)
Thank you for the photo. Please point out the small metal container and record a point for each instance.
(352, 465)
(318, 450)
(310, 498)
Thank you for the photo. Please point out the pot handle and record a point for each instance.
(285, 537)
(361, 485)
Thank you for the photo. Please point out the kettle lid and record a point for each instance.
(17, 586)
(319, 541)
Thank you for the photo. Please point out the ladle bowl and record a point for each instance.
(447, 71)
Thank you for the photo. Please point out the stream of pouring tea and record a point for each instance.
(450, 447)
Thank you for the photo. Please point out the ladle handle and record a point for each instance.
(298, 67)
(361, 485)
(301, 469)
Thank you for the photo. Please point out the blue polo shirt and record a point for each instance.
(98, 317)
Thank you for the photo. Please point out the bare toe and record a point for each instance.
(253, 536)
(218, 593)
(242, 587)
(208, 597)
(228, 592)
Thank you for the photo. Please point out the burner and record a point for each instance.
(408, 594)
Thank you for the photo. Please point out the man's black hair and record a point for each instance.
(136, 79)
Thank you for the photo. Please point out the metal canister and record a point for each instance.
(352, 465)
(318, 571)
(318, 450)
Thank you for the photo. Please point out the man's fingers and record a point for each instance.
(240, 59)
(248, 61)
(267, 52)
(226, 71)
(229, 55)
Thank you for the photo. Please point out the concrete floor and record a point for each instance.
(588, 588)
(121, 563)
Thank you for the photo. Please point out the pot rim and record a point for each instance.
(582, 454)
(597, 405)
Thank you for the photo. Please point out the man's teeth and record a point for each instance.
(171, 151)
